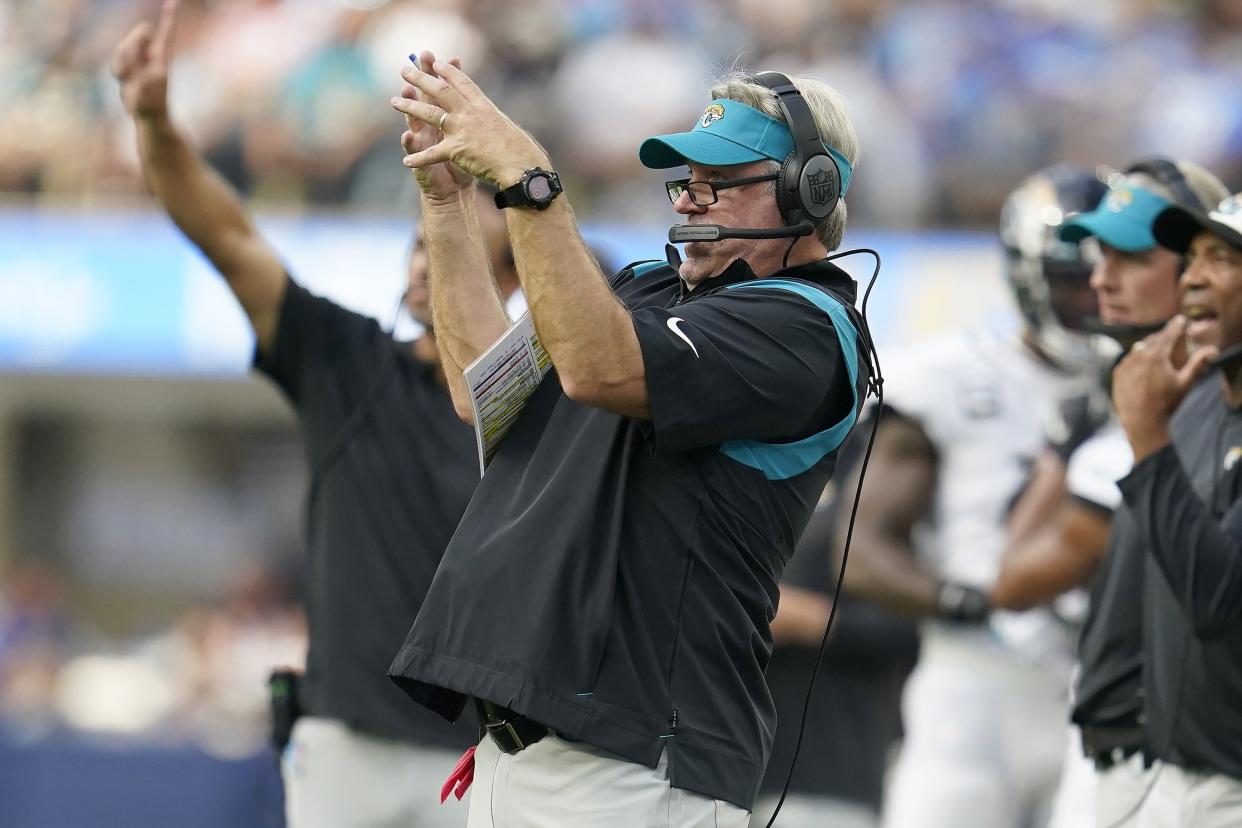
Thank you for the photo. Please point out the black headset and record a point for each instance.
(809, 182)
(1167, 173)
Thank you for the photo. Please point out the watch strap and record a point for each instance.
(513, 196)
(516, 195)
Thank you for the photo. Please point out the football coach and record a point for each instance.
(605, 602)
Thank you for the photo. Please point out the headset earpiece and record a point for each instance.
(786, 196)
(819, 187)
(810, 196)
(1167, 173)
(808, 184)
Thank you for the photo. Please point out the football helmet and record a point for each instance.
(1050, 278)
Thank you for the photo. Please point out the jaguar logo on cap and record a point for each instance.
(1119, 200)
(1230, 206)
(714, 112)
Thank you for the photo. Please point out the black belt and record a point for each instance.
(510, 731)
(1110, 746)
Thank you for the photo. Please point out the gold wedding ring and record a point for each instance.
(440, 125)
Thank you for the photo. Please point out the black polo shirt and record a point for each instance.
(614, 578)
(1187, 499)
(1110, 649)
(855, 714)
(395, 470)
(1109, 693)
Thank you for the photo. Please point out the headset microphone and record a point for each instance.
(682, 233)
(1120, 331)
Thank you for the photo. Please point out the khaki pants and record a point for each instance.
(806, 811)
(1180, 798)
(1121, 791)
(1088, 798)
(985, 737)
(336, 777)
(559, 784)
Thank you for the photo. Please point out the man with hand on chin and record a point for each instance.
(1186, 492)
(605, 602)
(1088, 536)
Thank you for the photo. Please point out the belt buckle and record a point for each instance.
(505, 727)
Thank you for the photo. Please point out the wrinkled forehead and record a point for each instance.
(1205, 242)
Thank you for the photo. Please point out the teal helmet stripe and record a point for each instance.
(643, 268)
(780, 461)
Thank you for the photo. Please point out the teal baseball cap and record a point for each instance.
(729, 132)
(1122, 220)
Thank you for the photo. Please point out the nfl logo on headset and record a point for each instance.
(821, 186)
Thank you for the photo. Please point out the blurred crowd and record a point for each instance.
(200, 681)
(955, 100)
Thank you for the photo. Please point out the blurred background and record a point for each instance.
(150, 490)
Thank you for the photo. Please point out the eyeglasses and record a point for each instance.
(704, 193)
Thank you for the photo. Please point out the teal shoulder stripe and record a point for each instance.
(780, 461)
(641, 269)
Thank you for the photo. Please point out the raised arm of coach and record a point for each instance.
(457, 135)
(199, 201)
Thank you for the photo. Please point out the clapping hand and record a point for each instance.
(437, 181)
(461, 128)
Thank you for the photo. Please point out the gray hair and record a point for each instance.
(831, 119)
(1206, 187)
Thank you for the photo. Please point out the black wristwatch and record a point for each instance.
(961, 603)
(536, 189)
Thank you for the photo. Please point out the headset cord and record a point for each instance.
(875, 385)
(788, 251)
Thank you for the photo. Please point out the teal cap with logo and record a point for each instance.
(729, 132)
(1123, 219)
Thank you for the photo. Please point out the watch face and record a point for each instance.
(538, 188)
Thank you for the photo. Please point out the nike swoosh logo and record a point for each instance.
(673, 322)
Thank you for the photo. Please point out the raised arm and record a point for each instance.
(587, 332)
(199, 201)
(468, 315)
